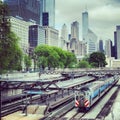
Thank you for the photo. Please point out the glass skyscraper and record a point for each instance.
(28, 10)
(118, 41)
(47, 13)
(85, 25)
(89, 37)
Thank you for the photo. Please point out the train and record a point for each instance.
(87, 95)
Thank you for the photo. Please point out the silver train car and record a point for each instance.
(87, 95)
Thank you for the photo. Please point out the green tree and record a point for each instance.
(53, 57)
(86, 58)
(97, 59)
(83, 64)
(62, 56)
(70, 60)
(27, 61)
(10, 52)
(46, 56)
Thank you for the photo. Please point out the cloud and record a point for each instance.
(104, 15)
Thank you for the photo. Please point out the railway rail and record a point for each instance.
(64, 106)
(98, 112)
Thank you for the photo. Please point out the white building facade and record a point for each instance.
(51, 36)
(21, 28)
(108, 48)
(64, 37)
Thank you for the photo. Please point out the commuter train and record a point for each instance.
(87, 95)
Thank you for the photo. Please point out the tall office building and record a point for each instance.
(29, 10)
(117, 41)
(88, 36)
(64, 32)
(101, 46)
(115, 46)
(75, 30)
(108, 47)
(47, 13)
(85, 25)
(91, 42)
(21, 28)
(64, 37)
(36, 36)
(51, 36)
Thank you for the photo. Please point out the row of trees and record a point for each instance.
(52, 57)
(96, 59)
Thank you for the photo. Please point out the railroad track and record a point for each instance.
(107, 108)
(55, 115)
(16, 105)
(74, 114)
(20, 104)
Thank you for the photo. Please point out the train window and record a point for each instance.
(82, 97)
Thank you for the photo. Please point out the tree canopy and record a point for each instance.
(10, 52)
(52, 57)
(27, 61)
(97, 59)
(83, 64)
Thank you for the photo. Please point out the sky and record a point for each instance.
(104, 15)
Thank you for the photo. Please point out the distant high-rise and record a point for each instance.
(88, 36)
(75, 30)
(64, 32)
(47, 13)
(91, 42)
(64, 37)
(108, 47)
(101, 46)
(85, 25)
(117, 41)
(115, 46)
(28, 10)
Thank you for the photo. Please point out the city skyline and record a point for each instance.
(103, 15)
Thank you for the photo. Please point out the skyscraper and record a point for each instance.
(85, 25)
(47, 13)
(89, 37)
(75, 30)
(64, 37)
(108, 48)
(115, 46)
(36, 35)
(28, 10)
(117, 41)
(64, 32)
(101, 46)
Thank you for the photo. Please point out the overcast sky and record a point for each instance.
(104, 15)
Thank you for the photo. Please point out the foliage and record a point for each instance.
(27, 61)
(62, 56)
(97, 59)
(86, 58)
(70, 59)
(10, 52)
(52, 57)
(83, 64)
